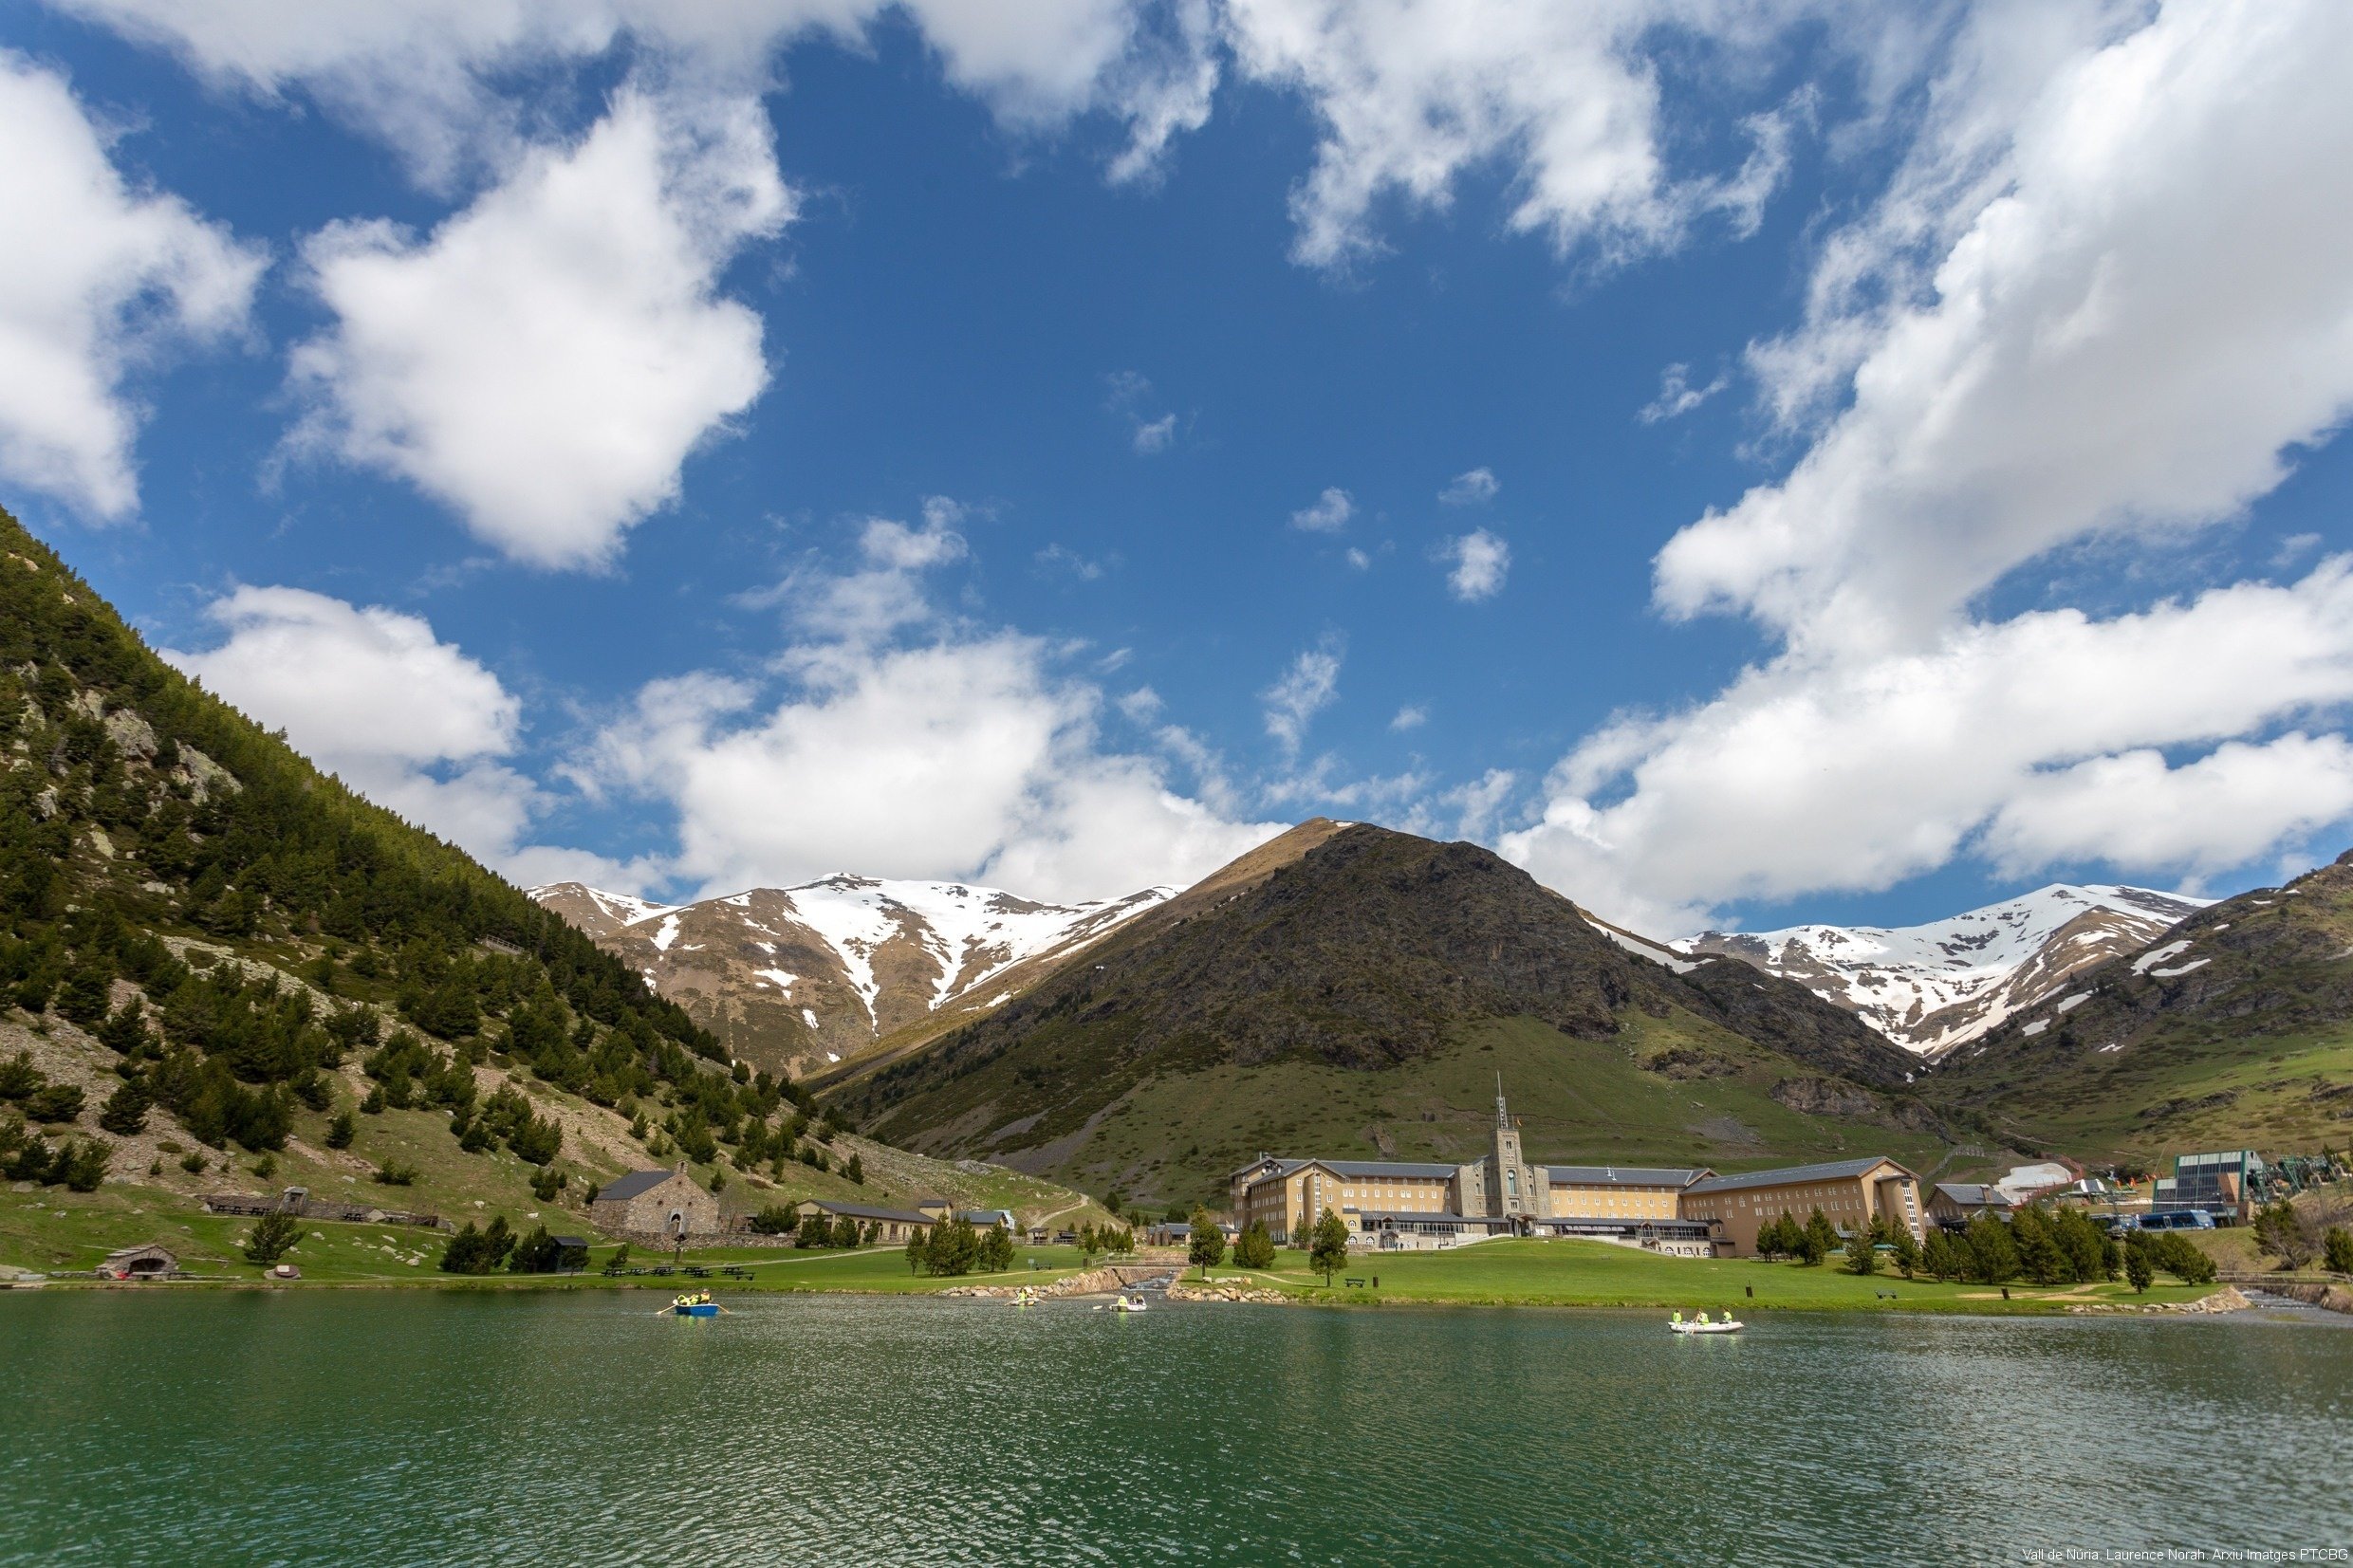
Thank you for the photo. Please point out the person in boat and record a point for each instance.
(1703, 1319)
(1677, 1319)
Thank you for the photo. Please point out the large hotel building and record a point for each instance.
(1689, 1211)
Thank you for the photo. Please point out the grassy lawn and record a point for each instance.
(1576, 1273)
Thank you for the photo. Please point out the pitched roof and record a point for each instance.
(1975, 1194)
(633, 1184)
(1624, 1175)
(1790, 1174)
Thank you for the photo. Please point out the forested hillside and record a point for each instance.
(220, 967)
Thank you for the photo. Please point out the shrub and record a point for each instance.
(477, 1252)
(342, 1130)
(125, 1111)
(396, 1173)
(193, 1163)
(775, 1220)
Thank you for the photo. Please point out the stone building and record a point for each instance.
(1850, 1193)
(664, 1205)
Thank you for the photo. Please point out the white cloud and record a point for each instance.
(432, 77)
(1328, 514)
(1410, 95)
(2236, 803)
(547, 359)
(957, 757)
(371, 695)
(1358, 559)
(1410, 717)
(899, 741)
(2097, 301)
(1304, 689)
(1481, 561)
(2136, 311)
(1854, 773)
(1474, 489)
(96, 277)
(1151, 435)
(1678, 397)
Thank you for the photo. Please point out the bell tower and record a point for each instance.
(1505, 1168)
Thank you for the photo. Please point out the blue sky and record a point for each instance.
(1748, 466)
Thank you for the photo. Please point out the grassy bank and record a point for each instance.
(1574, 1273)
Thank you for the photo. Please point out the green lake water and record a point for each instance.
(580, 1427)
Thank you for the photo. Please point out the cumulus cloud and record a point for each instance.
(1855, 773)
(2128, 329)
(1411, 716)
(545, 361)
(98, 277)
(1328, 514)
(372, 696)
(2096, 300)
(1678, 397)
(1305, 688)
(1409, 95)
(1474, 489)
(1481, 561)
(889, 739)
(429, 76)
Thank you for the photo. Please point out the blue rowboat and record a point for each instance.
(700, 1309)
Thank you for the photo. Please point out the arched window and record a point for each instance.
(1511, 1182)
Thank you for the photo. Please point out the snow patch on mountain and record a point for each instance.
(1935, 987)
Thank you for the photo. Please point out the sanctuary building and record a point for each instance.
(1681, 1210)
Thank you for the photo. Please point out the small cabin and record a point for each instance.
(572, 1253)
(151, 1262)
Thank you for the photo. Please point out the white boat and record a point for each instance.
(1727, 1326)
(1121, 1304)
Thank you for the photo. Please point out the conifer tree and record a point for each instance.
(1206, 1248)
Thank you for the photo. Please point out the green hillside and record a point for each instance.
(1357, 1000)
(2234, 1029)
(222, 971)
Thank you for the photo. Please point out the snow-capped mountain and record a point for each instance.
(807, 976)
(1931, 988)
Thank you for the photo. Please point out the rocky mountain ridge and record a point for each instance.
(807, 977)
(1933, 988)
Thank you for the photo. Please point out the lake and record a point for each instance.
(578, 1426)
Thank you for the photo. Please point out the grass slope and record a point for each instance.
(1173, 1137)
(2241, 1036)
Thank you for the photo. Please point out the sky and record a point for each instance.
(1745, 463)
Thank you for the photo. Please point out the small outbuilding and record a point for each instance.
(1953, 1204)
(667, 1205)
(890, 1226)
(151, 1262)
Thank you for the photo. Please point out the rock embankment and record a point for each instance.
(1226, 1290)
(2226, 1300)
(1095, 1282)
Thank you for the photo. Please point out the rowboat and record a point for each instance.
(698, 1309)
(1727, 1326)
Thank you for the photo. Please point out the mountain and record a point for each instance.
(221, 970)
(2233, 1028)
(1349, 990)
(1935, 986)
(798, 979)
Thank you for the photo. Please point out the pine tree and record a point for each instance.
(2138, 1270)
(125, 1112)
(1907, 1252)
(917, 1255)
(1255, 1246)
(342, 1130)
(272, 1236)
(1818, 1240)
(2338, 1243)
(1861, 1256)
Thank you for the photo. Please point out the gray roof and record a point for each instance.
(1975, 1194)
(1352, 1169)
(1788, 1174)
(868, 1211)
(1623, 1176)
(633, 1184)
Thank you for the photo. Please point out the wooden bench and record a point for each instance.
(1354, 1285)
